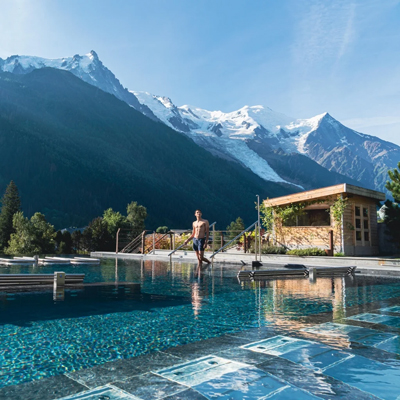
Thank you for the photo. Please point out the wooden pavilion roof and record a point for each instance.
(325, 192)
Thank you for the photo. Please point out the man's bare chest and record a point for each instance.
(199, 225)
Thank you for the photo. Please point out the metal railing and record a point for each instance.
(235, 238)
(133, 244)
(155, 242)
(211, 226)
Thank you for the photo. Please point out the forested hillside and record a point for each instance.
(74, 150)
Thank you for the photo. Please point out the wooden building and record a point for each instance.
(354, 232)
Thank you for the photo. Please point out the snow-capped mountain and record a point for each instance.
(253, 135)
(305, 152)
(87, 67)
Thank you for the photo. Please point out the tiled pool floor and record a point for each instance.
(362, 362)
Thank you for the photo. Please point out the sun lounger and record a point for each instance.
(85, 260)
(270, 274)
(15, 261)
(329, 271)
(287, 273)
(37, 279)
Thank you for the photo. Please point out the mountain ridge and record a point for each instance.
(250, 136)
(74, 150)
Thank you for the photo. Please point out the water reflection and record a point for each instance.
(178, 304)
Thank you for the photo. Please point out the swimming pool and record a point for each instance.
(177, 304)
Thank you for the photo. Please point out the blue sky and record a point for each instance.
(298, 57)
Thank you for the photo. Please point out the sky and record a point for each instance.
(298, 57)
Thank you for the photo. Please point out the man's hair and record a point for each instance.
(198, 210)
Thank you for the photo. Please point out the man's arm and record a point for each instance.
(191, 236)
(207, 233)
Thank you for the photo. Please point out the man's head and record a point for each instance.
(197, 213)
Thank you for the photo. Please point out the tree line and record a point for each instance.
(392, 208)
(20, 235)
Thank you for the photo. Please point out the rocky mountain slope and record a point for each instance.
(272, 145)
(74, 151)
(88, 67)
(255, 135)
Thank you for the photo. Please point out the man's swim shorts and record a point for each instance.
(198, 244)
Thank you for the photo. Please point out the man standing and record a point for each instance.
(200, 234)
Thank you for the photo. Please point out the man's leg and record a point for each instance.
(203, 258)
(202, 254)
(199, 257)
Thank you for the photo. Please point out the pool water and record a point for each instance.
(134, 308)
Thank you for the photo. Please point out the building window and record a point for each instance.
(319, 217)
(361, 223)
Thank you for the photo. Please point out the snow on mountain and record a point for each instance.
(88, 67)
(250, 136)
(223, 134)
(244, 124)
(254, 136)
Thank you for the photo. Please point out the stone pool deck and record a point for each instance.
(371, 265)
(274, 362)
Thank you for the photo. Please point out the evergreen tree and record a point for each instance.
(392, 209)
(34, 236)
(67, 241)
(44, 234)
(235, 227)
(394, 185)
(96, 236)
(136, 216)
(76, 241)
(10, 204)
(114, 220)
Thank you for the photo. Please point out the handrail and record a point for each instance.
(173, 251)
(240, 234)
(159, 240)
(132, 244)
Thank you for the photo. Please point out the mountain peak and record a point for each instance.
(93, 54)
(327, 118)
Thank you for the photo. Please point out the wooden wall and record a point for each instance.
(352, 247)
(344, 239)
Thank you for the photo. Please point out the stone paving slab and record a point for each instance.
(121, 370)
(102, 393)
(150, 386)
(314, 382)
(51, 388)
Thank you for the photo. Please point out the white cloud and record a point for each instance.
(325, 32)
(360, 123)
(387, 128)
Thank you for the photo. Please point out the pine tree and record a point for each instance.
(10, 204)
(136, 214)
(235, 227)
(394, 185)
(392, 209)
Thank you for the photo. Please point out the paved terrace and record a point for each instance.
(371, 265)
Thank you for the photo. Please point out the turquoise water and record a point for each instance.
(177, 304)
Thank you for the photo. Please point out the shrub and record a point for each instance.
(313, 251)
(162, 229)
(273, 250)
(339, 254)
(161, 243)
